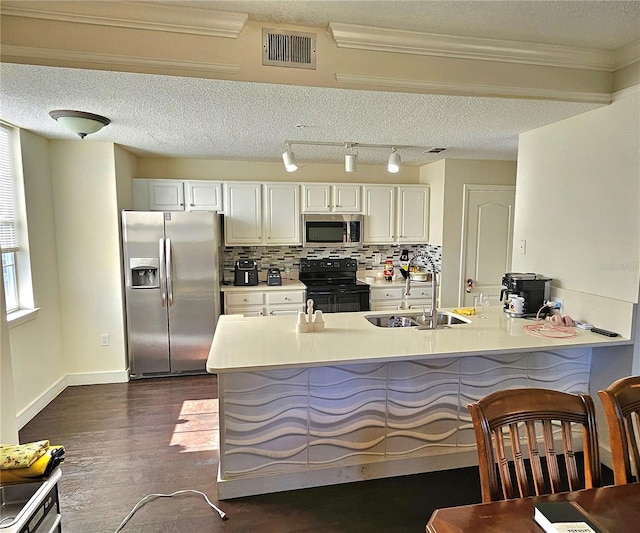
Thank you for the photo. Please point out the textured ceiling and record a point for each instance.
(200, 118)
(230, 120)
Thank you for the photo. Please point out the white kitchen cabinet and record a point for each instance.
(176, 195)
(392, 298)
(261, 215)
(281, 214)
(326, 198)
(386, 298)
(203, 195)
(396, 214)
(264, 303)
(243, 210)
(166, 195)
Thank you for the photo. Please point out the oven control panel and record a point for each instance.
(328, 265)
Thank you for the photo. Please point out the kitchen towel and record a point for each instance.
(40, 469)
(21, 455)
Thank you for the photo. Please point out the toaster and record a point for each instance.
(246, 273)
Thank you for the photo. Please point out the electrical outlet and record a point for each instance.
(522, 246)
(377, 258)
(104, 339)
(556, 303)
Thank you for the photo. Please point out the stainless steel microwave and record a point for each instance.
(331, 230)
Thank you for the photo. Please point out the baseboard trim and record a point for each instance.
(69, 380)
(97, 378)
(37, 405)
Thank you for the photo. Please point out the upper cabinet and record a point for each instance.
(327, 198)
(203, 195)
(258, 214)
(177, 195)
(396, 214)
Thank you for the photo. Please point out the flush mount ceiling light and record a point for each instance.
(393, 165)
(80, 122)
(289, 160)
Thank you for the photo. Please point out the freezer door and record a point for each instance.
(147, 319)
(194, 294)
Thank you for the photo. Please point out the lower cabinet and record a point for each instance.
(264, 303)
(392, 298)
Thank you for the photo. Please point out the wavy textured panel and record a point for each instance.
(299, 420)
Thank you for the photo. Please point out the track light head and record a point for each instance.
(289, 160)
(393, 166)
(350, 162)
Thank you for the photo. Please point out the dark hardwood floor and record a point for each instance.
(125, 441)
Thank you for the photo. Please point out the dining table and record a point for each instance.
(612, 508)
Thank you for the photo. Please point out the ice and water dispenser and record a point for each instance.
(144, 272)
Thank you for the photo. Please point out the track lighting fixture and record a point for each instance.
(80, 122)
(350, 159)
(289, 160)
(351, 153)
(393, 166)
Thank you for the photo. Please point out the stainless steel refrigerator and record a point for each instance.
(172, 284)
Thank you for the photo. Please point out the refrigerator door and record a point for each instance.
(193, 241)
(147, 325)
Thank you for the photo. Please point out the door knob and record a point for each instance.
(469, 285)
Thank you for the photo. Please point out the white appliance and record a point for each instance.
(172, 287)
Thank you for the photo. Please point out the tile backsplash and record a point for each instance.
(287, 258)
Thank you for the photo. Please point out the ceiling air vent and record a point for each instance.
(288, 49)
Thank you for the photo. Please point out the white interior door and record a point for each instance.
(487, 236)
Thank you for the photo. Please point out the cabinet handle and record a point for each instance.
(286, 299)
(244, 300)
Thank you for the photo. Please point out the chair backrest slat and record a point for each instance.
(513, 425)
(621, 402)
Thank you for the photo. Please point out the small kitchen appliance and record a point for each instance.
(274, 277)
(246, 273)
(528, 290)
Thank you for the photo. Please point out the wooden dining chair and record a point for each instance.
(621, 402)
(525, 440)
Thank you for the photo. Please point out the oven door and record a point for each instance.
(339, 300)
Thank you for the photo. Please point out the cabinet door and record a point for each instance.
(346, 198)
(413, 214)
(379, 224)
(203, 196)
(243, 210)
(166, 195)
(316, 198)
(282, 214)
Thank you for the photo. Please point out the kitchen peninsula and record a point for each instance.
(356, 401)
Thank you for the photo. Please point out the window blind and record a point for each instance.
(8, 234)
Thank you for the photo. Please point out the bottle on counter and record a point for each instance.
(388, 270)
(404, 261)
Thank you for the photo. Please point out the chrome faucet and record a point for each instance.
(434, 285)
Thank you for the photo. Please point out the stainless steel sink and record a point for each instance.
(408, 320)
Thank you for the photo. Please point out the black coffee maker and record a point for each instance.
(534, 288)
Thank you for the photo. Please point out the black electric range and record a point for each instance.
(332, 285)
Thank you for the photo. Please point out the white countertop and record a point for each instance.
(260, 343)
(287, 284)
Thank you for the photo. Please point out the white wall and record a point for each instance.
(448, 179)
(578, 208)
(578, 201)
(209, 169)
(88, 243)
(37, 345)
